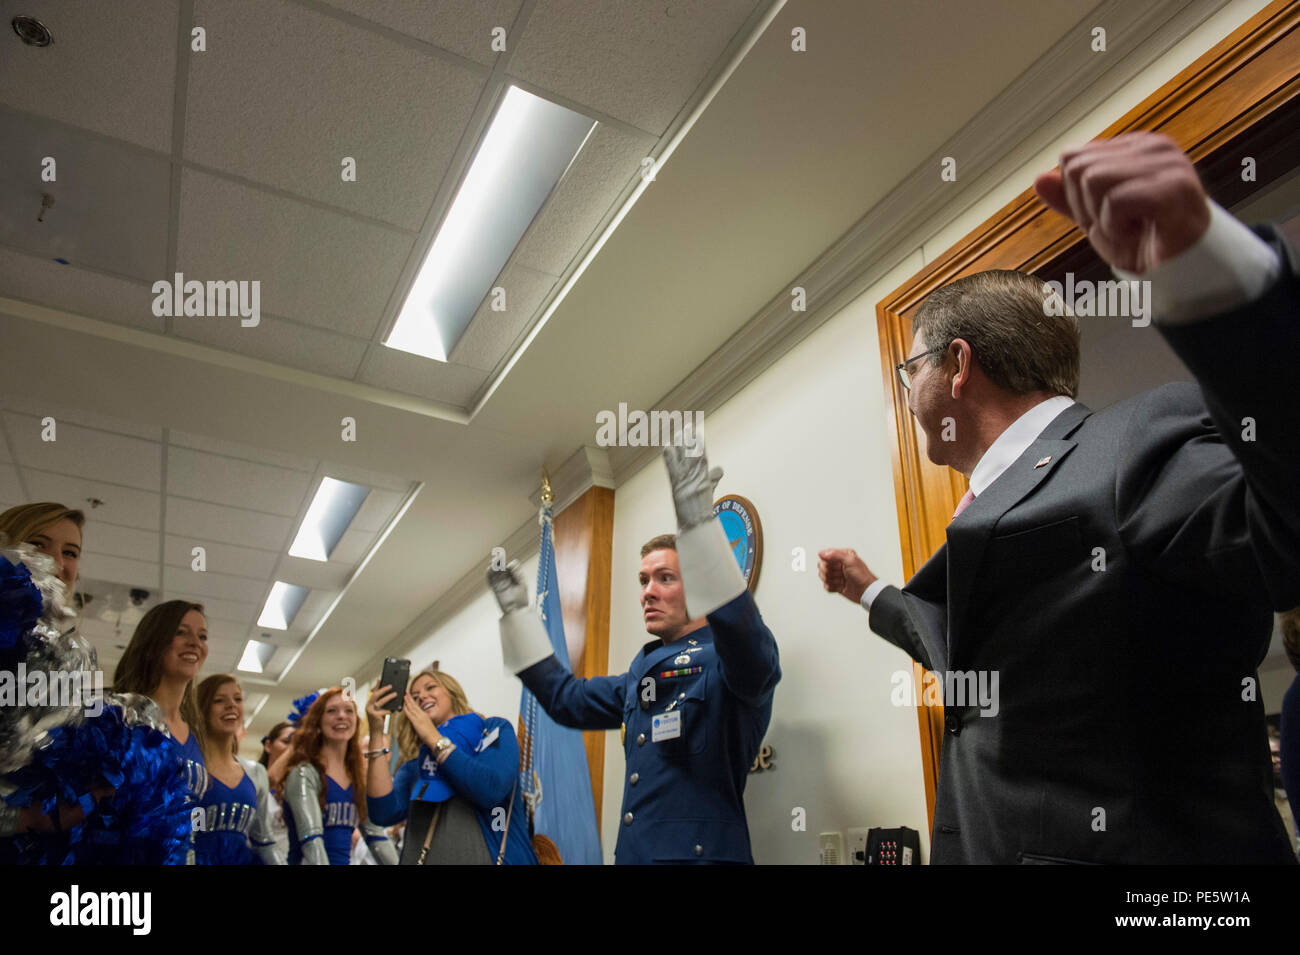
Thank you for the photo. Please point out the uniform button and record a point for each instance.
(640, 739)
(952, 723)
(633, 778)
(627, 819)
(699, 850)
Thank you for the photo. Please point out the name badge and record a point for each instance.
(666, 726)
(488, 740)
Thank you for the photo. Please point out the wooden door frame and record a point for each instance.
(1212, 104)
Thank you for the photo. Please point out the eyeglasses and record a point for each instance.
(904, 375)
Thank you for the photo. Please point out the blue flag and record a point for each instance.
(554, 777)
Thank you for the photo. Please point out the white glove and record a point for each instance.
(710, 575)
(524, 641)
(509, 587)
(692, 481)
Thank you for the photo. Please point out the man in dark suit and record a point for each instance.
(1115, 570)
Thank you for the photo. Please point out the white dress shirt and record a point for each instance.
(1225, 268)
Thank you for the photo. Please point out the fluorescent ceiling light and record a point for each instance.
(330, 513)
(256, 656)
(283, 602)
(529, 145)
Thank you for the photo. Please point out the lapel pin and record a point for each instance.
(1043, 461)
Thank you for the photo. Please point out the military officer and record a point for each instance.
(697, 699)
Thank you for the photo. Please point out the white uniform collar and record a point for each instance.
(1012, 442)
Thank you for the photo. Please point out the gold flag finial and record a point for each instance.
(548, 496)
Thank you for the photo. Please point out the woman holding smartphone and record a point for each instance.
(457, 787)
(237, 805)
(323, 796)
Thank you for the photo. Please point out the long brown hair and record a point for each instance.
(408, 741)
(141, 668)
(204, 696)
(308, 741)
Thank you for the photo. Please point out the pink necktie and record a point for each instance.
(963, 504)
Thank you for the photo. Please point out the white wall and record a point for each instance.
(807, 443)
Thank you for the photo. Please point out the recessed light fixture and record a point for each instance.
(526, 150)
(284, 601)
(31, 31)
(330, 513)
(256, 656)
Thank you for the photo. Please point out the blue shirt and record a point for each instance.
(683, 795)
(484, 774)
(228, 815)
(338, 820)
(196, 771)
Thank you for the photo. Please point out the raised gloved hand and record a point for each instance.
(524, 640)
(692, 482)
(509, 587)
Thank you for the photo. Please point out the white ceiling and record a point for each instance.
(226, 164)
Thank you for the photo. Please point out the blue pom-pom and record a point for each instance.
(20, 602)
(301, 706)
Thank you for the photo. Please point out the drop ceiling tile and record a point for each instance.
(463, 27)
(233, 449)
(226, 614)
(378, 509)
(120, 570)
(120, 505)
(340, 91)
(439, 381)
(314, 266)
(222, 480)
(10, 489)
(609, 160)
(90, 419)
(202, 584)
(128, 47)
(204, 522)
(71, 289)
(110, 200)
(279, 341)
(86, 453)
(639, 62)
(221, 558)
(491, 335)
(115, 540)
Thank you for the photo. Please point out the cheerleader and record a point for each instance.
(237, 806)
(162, 659)
(275, 744)
(324, 794)
(57, 755)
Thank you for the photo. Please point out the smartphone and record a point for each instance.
(396, 674)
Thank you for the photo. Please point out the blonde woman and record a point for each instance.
(457, 783)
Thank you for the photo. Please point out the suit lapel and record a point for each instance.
(969, 534)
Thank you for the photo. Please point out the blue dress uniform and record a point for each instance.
(683, 795)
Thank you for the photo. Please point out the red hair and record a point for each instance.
(308, 741)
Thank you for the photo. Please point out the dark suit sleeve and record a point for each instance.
(1214, 500)
(746, 650)
(591, 704)
(901, 618)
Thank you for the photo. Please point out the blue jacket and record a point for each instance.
(486, 778)
(683, 798)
